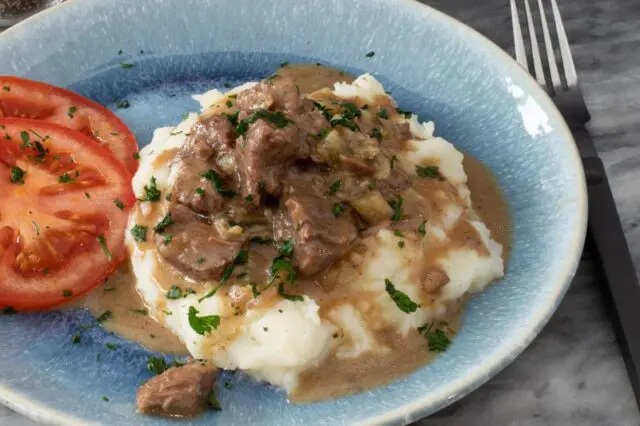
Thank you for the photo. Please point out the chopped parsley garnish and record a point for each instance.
(241, 259)
(338, 209)
(122, 104)
(17, 175)
(111, 346)
(271, 77)
(213, 401)
(157, 365)
(280, 264)
(104, 398)
(120, 52)
(437, 340)
(383, 113)
(190, 290)
(200, 192)
(322, 133)
(174, 293)
(204, 324)
(228, 385)
(119, 204)
(428, 172)
(342, 121)
(167, 239)
(284, 64)
(254, 289)
(229, 103)
(421, 230)
(335, 187)
(292, 297)
(401, 244)
(211, 293)
(26, 140)
(248, 198)
(217, 183)
(287, 247)
(323, 110)
(396, 205)
(163, 224)
(103, 245)
(86, 194)
(75, 339)
(376, 134)
(67, 293)
(350, 111)
(115, 134)
(371, 186)
(233, 118)
(370, 54)
(126, 66)
(402, 301)
(397, 233)
(105, 316)
(276, 118)
(136, 155)
(6, 88)
(242, 275)
(72, 110)
(407, 114)
(392, 161)
(41, 151)
(200, 260)
(151, 191)
(139, 311)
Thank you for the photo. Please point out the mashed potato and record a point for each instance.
(278, 343)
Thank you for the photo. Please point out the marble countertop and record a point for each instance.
(573, 373)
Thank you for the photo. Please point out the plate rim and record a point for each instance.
(477, 376)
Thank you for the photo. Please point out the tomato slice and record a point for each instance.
(22, 98)
(64, 203)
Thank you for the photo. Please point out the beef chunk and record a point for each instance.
(192, 189)
(321, 237)
(178, 392)
(264, 156)
(211, 139)
(280, 93)
(196, 248)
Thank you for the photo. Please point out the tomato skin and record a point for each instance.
(23, 98)
(88, 264)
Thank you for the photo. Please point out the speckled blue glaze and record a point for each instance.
(480, 99)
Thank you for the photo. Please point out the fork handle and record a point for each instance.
(616, 262)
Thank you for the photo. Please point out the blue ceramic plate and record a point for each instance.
(478, 97)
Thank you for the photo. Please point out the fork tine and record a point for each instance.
(521, 53)
(565, 50)
(551, 57)
(535, 52)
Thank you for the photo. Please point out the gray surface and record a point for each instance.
(572, 374)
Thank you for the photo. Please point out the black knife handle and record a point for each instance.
(619, 272)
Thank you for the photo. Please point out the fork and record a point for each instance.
(622, 287)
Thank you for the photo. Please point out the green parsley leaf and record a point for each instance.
(17, 175)
(65, 178)
(204, 324)
(72, 110)
(8, 310)
(281, 264)
(103, 245)
(322, 133)
(233, 118)
(338, 209)
(421, 229)
(350, 111)
(228, 385)
(163, 224)
(248, 198)
(287, 247)
(190, 290)
(402, 301)
(6, 88)
(292, 297)
(428, 172)
(397, 233)
(86, 194)
(335, 187)
(26, 140)
(200, 192)
(284, 64)
(376, 134)
(167, 239)
(200, 260)
(104, 398)
(241, 259)
(397, 208)
(136, 155)
(370, 54)
(139, 233)
(277, 118)
(229, 103)
(407, 114)
(212, 400)
(151, 191)
(217, 183)
(105, 316)
(341, 121)
(75, 339)
(323, 110)
(437, 340)
(111, 346)
(383, 113)
(210, 293)
(401, 244)
(122, 104)
(126, 66)
(392, 161)
(119, 203)
(254, 289)
(156, 365)
(174, 293)
(67, 293)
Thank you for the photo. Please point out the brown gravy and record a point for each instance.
(334, 377)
